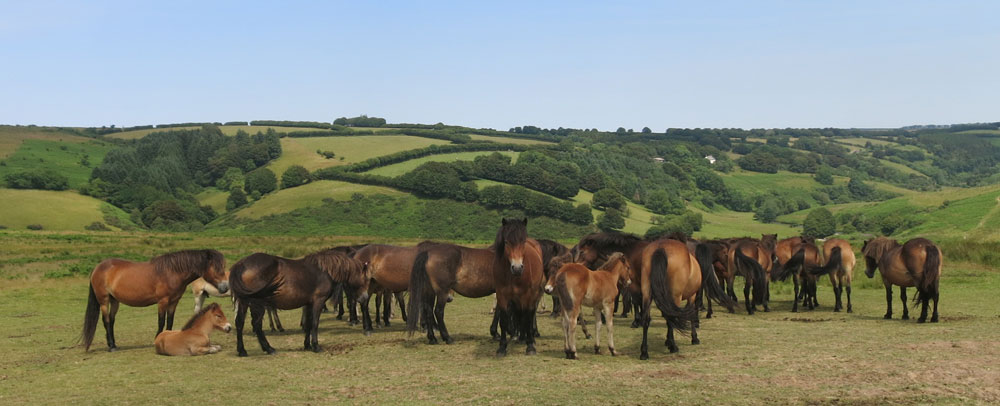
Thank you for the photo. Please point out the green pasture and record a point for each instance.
(226, 129)
(406, 166)
(780, 357)
(310, 194)
(53, 210)
(507, 140)
(302, 151)
(75, 160)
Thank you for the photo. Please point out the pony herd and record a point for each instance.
(675, 274)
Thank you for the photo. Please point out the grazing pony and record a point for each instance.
(916, 263)
(798, 257)
(202, 290)
(390, 268)
(752, 259)
(161, 281)
(578, 286)
(261, 280)
(192, 339)
(840, 265)
(511, 267)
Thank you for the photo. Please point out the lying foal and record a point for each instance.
(577, 286)
(193, 338)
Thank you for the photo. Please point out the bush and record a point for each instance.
(96, 226)
(608, 198)
(45, 179)
(261, 180)
(824, 176)
(294, 176)
(237, 198)
(34, 226)
(819, 223)
(611, 220)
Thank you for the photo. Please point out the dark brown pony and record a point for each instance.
(916, 263)
(751, 259)
(550, 251)
(161, 281)
(339, 292)
(261, 280)
(390, 267)
(798, 257)
(716, 253)
(511, 267)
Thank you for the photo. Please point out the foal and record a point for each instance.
(193, 338)
(575, 285)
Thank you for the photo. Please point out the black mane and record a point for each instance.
(608, 242)
(189, 261)
(513, 232)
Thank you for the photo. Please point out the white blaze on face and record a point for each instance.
(548, 288)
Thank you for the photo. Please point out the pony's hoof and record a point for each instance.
(597, 350)
(340, 317)
(644, 356)
(317, 349)
(432, 341)
(241, 353)
(448, 340)
(570, 354)
(501, 353)
(635, 324)
(270, 351)
(695, 341)
(708, 316)
(921, 320)
(613, 352)
(934, 319)
(281, 330)
(905, 317)
(112, 349)
(849, 310)
(588, 336)
(674, 349)
(887, 316)
(836, 310)
(795, 310)
(530, 351)
(368, 333)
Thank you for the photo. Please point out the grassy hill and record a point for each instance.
(310, 194)
(406, 166)
(65, 210)
(73, 158)
(226, 129)
(302, 151)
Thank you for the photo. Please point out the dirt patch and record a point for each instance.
(956, 318)
(805, 320)
(336, 349)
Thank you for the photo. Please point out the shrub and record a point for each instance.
(96, 226)
(608, 198)
(819, 223)
(261, 180)
(34, 226)
(294, 176)
(237, 198)
(611, 220)
(45, 179)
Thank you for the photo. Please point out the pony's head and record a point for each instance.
(510, 242)
(215, 272)
(873, 250)
(214, 315)
(618, 264)
(208, 264)
(769, 241)
(353, 274)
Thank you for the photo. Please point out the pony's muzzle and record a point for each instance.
(548, 288)
(227, 328)
(517, 270)
(223, 287)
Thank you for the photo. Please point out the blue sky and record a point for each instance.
(746, 64)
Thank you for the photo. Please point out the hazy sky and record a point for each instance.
(599, 65)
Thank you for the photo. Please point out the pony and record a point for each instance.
(840, 265)
(550, 251)
(511, 268)
(797, 257)
(578, 286)
(752, 259)
(390, 268)
(261, 280)
(339, 292)
(670, 274)
(202, 290)
(593, 249)
(716, 253)
(192, 339)
(916, 263)
(160, 281)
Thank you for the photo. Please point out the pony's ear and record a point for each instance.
(503, 221)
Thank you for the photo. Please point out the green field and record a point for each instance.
(302, 151)
(816, 357)
(63, 210)
(506, 140)
(65, 158)
(226, 129)
(214, 198)
(310, 194)
(406, 166)
(11, 137)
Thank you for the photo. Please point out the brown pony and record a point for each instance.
(797, 257)
(390, 267)
(261, 280)
(840, 265)
(593, 249)
(161, 281)
(578, 286)
(751, 259)
(192, 339)
(511, 267)
(916, 263)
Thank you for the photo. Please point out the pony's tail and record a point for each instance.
(419, 283)
(782, 271)
(90, 319)
(756, 272)
(703, 253)
(659, 284)
(562, 291)
(932, 273)
(832, 264)
(242, 291)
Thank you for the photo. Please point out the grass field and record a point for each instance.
(214, 198)
(63, 157)
(63, 210)
(226, 129)
(310, 194)
(11, 137)
(816, 357)
(302, 151)
(506, 140)
(406, 166)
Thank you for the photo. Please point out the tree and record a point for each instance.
(611, 220)
(768, 211)
(646, 130)
(608, 198)
(294, 176)
(237, 198)
(261, 180)
(660, 202)
(824, 175)
(232, 178)
(819, 223)
(860, 190)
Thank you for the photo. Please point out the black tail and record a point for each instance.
(420, 282)
(832, 263)
(659, 283)
(782, 271)
(932, 273)
(756, 272)
(242, 292)
(709, 281)
(90, 319)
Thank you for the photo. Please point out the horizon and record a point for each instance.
(766, 65)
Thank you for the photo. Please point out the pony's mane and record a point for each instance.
(878, 247)
(769, 241)
(348, 249)
(206, 309)
(513, 232)
(610, 241)
(337, 264)
(612, 260)
(189, 261)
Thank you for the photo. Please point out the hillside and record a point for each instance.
(65, 210)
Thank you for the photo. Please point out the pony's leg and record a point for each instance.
(504, 328)
(906, 310)
(161, 316)
(241, 317)
(644, 348)
(566, 333)
(636, 310)
(617, 297)
(439, 318)
(767, 295)
(746, 296)
(272, 312)
(609, 313)
(671, 344)
(731, 288)
(597, 335)
(848, 288)
(307, 326)
(352, 308)
(386, 309)
(494, 325)
(574, 314)
(708, 312)
(171, 309)
(812, 288)
(924, 302)
(257, 322)
(109, 325)
(270, 320)
(557, 307)
(583, 325)
(317, 311)
(626, 303)
(528, 329)
(338, 291)
(428, 317)
(199, 300)
(402, 305)
(694, 330)
(795, 301)
(888, 299)
(366, 320)
(379, 300)
(934, 317)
